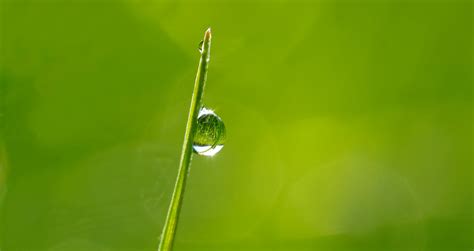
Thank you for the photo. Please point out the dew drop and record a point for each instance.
(200, 46)
(210, 134)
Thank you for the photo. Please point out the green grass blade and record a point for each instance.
(169, 229)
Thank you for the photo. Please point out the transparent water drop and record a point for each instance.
(210, 134)
(200, 46)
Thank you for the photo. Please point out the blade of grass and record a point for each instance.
(169, 229)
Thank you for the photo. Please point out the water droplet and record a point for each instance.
(210, 135)
(200, 46)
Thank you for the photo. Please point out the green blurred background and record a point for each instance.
(349, 124)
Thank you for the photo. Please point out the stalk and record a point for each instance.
(171, 223)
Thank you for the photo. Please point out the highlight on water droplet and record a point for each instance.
(210, 134)
(201, 44)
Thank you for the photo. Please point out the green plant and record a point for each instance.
(169, 229)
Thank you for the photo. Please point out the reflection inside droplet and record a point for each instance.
(210, 134)
(207, 150)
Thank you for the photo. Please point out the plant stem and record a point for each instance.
(169, 229)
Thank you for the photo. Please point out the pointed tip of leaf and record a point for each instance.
(207, 35)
